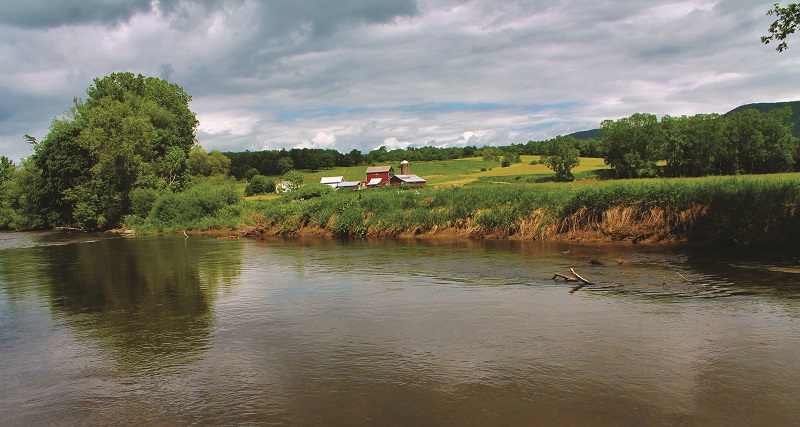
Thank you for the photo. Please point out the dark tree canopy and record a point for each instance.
(786, 23)
(131, 132)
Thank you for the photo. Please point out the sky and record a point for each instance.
(360, 74)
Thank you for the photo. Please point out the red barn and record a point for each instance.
(378, 176)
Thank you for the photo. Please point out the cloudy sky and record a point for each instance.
(344, 74)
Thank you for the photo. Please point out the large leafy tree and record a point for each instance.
(633, 145)
(561, 156)
(786, 23)
(131, 132)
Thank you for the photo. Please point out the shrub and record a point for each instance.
(259, 184)
(250, 173)
(187, 209)
(310, 191)
(142, 200)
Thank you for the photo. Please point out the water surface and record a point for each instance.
(166, 330)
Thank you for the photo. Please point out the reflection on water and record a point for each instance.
(174, 331)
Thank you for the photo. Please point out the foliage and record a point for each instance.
(19, 198)
(250, 173)
(725, 211)
(294, 179)
(259, 184)
(201, 163)
(561, 156)
(191, 208)
(131, 132)
(142, 200)
(489, 154)
(285, 164)
(786, 23)
(746, 141)
(310, 191)
(633, 145)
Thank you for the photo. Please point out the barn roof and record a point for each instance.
(374, 181)
(331, 179)
(379, 169)
(349, 183)
(410, 179)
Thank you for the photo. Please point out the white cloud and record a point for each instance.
(354, 74)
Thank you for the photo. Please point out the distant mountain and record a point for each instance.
(763, 107)
(586, 134)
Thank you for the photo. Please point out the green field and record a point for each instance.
(459, 172)
(465, 171)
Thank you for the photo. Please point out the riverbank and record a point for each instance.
(721, 211)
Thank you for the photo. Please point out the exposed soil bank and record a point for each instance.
(619, 224)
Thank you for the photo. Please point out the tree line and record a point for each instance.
(745, 142)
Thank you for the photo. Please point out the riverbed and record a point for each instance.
(175, 330)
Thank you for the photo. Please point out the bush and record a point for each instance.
(142, 200)
(184, 210)
(310, 191)
(250, 173)
(259, 184)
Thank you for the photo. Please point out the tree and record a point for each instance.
(201, 163)
(561, 156)
(250, 173)
(788, 19)
(285, 164)
(295, 180)
(488, 155)
(6, 169)
(259, 184)
(633, 145)
(131, 132)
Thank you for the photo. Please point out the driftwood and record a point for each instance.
(578, 276)
(684, 277)
(565, 277)
(574, 278)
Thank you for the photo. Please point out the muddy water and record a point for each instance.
(174, 331)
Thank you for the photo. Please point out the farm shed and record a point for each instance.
(410, 179)
(378, 176)
(331, 181)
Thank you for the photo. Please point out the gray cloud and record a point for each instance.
(364, 73)
(45, 13)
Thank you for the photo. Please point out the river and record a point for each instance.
(169, 330)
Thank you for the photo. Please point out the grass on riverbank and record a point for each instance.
(720, 210)
(515, 202)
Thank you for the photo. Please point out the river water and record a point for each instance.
(168, 330)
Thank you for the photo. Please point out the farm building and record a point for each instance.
(406, 178)
(283, 186)
(378, 176)
(349, 185)
(410, 179)
(331, 181)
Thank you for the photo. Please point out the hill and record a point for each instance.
(768, 106)
(762, 106)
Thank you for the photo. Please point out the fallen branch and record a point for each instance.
(565, 277)
(578, 276)
(684, 277)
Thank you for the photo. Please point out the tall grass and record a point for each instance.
(723, 210)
